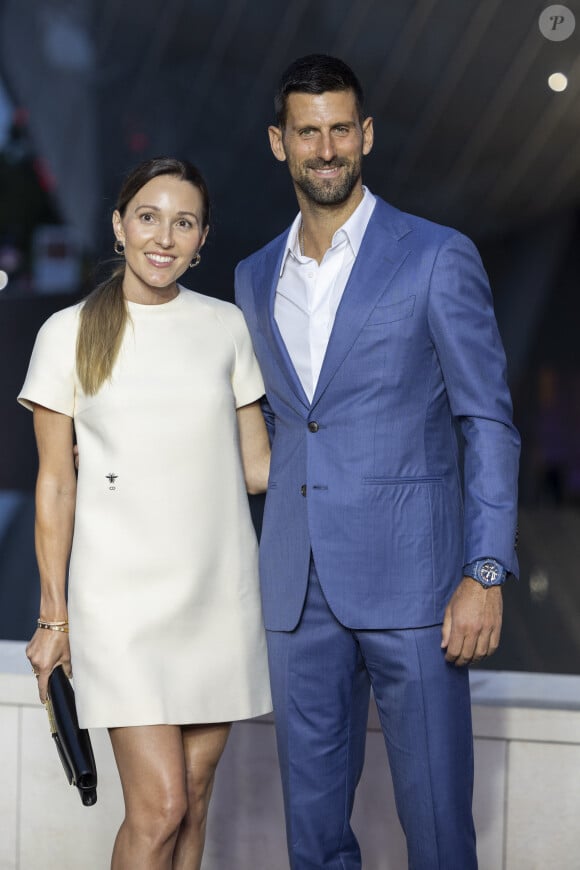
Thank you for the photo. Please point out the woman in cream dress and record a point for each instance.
(161, 387)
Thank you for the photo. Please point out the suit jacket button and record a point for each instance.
(313, 426)
(303, 489)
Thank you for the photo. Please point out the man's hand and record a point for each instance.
(472, 623)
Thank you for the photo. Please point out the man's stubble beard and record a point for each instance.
(329, 192)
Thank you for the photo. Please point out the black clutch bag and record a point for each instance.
(73, 743)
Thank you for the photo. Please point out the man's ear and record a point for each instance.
(277, 143)
(368, 135)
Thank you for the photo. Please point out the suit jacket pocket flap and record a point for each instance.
(390, 313)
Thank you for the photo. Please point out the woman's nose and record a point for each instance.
(164, 235)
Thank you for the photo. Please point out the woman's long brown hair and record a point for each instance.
(104, 314)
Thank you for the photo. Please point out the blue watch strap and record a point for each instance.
(487, 571)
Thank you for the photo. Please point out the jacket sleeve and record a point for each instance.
(465, 334)
(244, 300)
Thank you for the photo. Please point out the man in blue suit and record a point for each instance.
(384, 544)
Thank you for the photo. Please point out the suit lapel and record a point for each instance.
(266, 281)
(379, 258)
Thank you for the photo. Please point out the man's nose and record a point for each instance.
(326, 149)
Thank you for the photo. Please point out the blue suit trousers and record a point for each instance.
(321, 674)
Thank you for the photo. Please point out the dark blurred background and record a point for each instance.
(468, 132)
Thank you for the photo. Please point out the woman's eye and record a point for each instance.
(147, 217)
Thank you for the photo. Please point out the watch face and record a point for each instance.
(489, 572)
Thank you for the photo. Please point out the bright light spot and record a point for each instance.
(3, 279)
(558, 82)
(539, 584)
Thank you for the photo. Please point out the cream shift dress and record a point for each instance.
(164, 607)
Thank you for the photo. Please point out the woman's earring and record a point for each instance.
(196, 261)
(119, 247)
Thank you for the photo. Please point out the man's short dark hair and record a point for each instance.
(316, 74)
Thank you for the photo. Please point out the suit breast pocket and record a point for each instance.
(391, 313)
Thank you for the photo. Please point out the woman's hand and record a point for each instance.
(46, 650)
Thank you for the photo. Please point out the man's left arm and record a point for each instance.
(469, 348)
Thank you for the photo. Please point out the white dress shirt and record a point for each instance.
(308, 294)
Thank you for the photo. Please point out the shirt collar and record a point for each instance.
(353, 229)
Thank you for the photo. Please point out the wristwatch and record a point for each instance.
(488, 572)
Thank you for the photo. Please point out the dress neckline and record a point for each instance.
(163, 306)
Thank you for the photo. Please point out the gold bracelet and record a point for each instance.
(53, 626)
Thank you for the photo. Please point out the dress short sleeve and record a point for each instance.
(51, 377)
(247, 383)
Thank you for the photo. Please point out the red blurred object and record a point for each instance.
(138, 142)
(20, 116)
(46, 179)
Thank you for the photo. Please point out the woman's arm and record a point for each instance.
(255, 447)
(55, 507)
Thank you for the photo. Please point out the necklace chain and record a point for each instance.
(301, 238)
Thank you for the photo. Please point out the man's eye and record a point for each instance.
(184, 223)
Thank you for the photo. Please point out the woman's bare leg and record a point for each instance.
(202, 749)
(150, 760)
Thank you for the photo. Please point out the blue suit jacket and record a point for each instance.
(391, 502)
